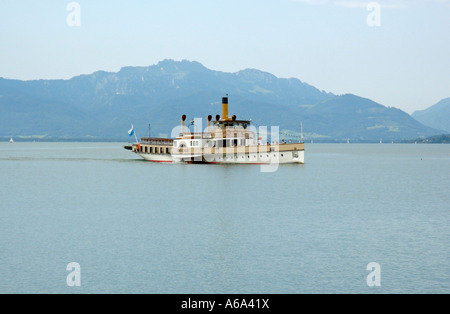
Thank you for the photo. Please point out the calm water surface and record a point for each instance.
(138, 227)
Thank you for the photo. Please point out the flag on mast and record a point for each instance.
(131, 131)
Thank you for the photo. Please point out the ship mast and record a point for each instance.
(301, 131)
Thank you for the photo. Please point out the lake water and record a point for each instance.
(139, 227)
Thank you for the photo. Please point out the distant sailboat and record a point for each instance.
(11, 140)
(348, 141)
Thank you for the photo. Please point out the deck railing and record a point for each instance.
(156, 141)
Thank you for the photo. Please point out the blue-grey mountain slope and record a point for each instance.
(437, 116)
(103, 105)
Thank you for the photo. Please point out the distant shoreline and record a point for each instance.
(63, 140)
(438, 139)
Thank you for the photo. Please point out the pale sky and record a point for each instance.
(403, 62)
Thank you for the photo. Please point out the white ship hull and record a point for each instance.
(259, 158)
(246, 158)
(156, 157)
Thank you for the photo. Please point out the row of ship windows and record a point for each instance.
(166, 150)
(217, 143)
(155, 150)
(248, 156)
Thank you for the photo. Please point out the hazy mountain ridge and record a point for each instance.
(436, 116)
(104, 104)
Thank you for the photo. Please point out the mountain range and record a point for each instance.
(437, 116)
(103, 105)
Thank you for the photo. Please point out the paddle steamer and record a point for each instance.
(226, 140)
